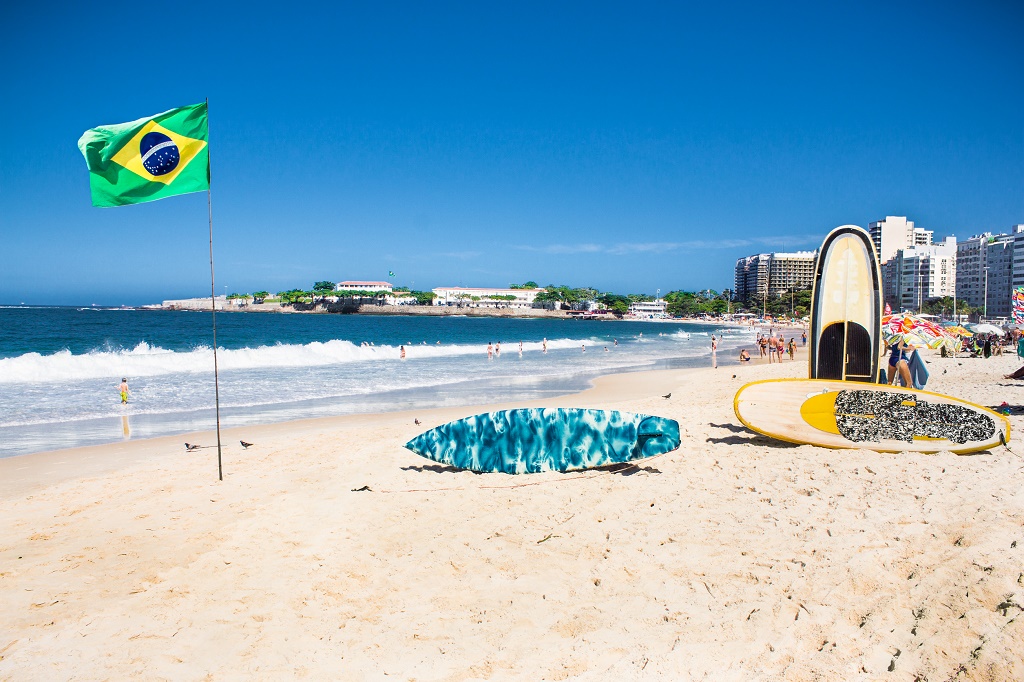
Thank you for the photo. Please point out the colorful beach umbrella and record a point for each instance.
(918, 332)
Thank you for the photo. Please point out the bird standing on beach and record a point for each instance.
(245, 446)
(667, 396)
(191, 448)
(415, 421)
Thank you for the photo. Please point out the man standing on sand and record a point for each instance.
(123, 389)
(772, 343)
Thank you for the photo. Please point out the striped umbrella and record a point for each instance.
(917, 332)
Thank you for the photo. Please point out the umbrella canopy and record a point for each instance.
(918, 332)
(985, 328)
(959, 331)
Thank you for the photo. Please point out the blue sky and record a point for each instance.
(626, 146)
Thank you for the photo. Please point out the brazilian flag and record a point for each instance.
(148, 159)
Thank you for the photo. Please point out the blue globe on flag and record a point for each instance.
(159, 153)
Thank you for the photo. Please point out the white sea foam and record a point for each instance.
(74, 393)
(147, 361)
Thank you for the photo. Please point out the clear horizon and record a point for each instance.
(628, 148)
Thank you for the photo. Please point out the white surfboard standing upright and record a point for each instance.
(846, 308)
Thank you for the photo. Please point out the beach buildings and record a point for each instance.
(650, 310)
(915, 269)
(791, 272)
(355, 285)
(751, 278)
(989, 267)
(895, 233)
(773, 274)
(918, 273)
(483, 297)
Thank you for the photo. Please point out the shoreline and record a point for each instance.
(17, 471)
(107, 429)
(733, 557)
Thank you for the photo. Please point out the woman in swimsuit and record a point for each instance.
(899, 362)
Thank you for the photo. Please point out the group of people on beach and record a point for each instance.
(774, 347)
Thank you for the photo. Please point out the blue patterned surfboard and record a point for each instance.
(532, 440)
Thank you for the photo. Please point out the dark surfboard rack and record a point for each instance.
(846, 349)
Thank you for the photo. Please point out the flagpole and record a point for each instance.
(213, 312)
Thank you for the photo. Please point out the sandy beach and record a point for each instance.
(331, 552)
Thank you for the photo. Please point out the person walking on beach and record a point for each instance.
(772, 342)
(792, 349)
(123, 390)
(803, 338)
(780, 346)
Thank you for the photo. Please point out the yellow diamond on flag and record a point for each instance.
(158, 154)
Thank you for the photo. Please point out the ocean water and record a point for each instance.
(60, 367)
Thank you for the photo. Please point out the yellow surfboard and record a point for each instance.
(848, 414)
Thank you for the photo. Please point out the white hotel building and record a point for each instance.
(649, 309)
(482, 297)
(354, 285)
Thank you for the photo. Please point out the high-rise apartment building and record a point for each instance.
(773, 274)
(918, 273)
(790, 272)
(989, 267)
(895, 233)
(751, 278)
(1018, 256)
(970, 259)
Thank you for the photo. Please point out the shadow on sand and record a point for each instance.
(754, 440)
(620, 468)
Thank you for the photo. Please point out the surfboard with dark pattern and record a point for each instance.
(846, 414)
